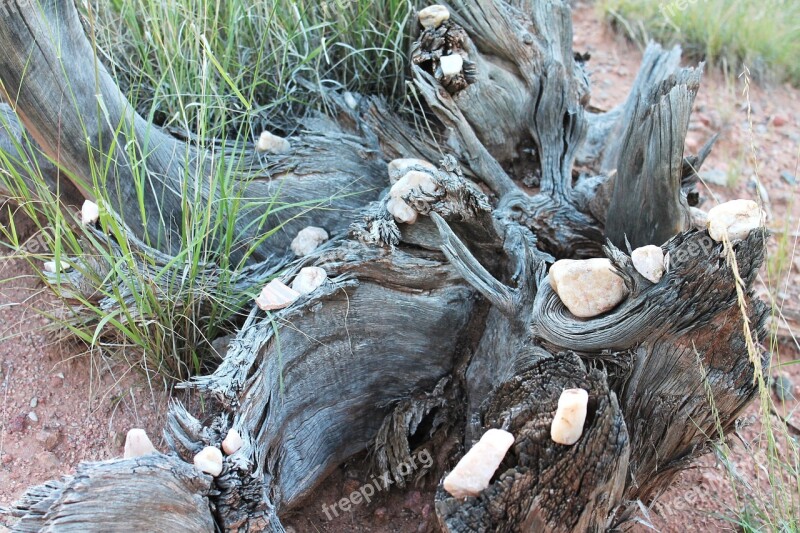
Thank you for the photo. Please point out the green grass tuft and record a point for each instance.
(762, 34)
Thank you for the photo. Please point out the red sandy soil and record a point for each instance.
(84, 414)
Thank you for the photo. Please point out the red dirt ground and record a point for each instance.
(85, 403)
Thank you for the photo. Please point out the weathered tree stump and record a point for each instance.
(448, 326)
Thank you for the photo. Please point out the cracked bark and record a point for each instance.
(448, 326)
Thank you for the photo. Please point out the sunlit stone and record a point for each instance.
(736, 218)
(137, 444)
(649, 262)
(567, 426)
(474, 471)
(209, 461)
(232, 443)
(451, 65)
(587, 287)
(90, 213)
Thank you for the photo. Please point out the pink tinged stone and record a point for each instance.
(233, 442)
(474, 471)
(587, 287)
(276, 295)
(567, 426)
(209, 461)
(137, 444)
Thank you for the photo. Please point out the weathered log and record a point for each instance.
(150, 493)
(449, 326)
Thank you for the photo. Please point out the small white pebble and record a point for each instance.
(309, 279)
(567, 426)
(649, 262)
(34, 402)
(50, 266)
(401, 211)
(209, 461)
(137, 444)
(33, 417)
(433, 16)
(350, 100)
(272, 144)
(307, 240)
(451, 65)
(233, 442)
(90, 213)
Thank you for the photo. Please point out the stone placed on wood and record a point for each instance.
(474, 471)
(397, 168)
(309, 279)
(209, 461)
(350, 100)
(587, 287)
(233, 442)
(137, 444)
(649, 262)
(401, 211)
(737, 218)
(433, 16)
(567, 426)
(276, 295)
(50, 266)
(272, 144)
(451, 65)
(90, 213)
(307, 240)
(414, 180)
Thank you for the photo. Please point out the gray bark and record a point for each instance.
(449, 326)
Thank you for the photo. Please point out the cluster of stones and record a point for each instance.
(591, 287)
(208, 460)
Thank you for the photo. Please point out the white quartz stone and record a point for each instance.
(587, 287)
(137, 444)
(272, 144)
(474, 471)
(209, 461)
(736, 218)
(451, 65)
(649, 262)
(567, 426)
(233, 442)
(309, 279)
(307, 240)
(90, 213)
